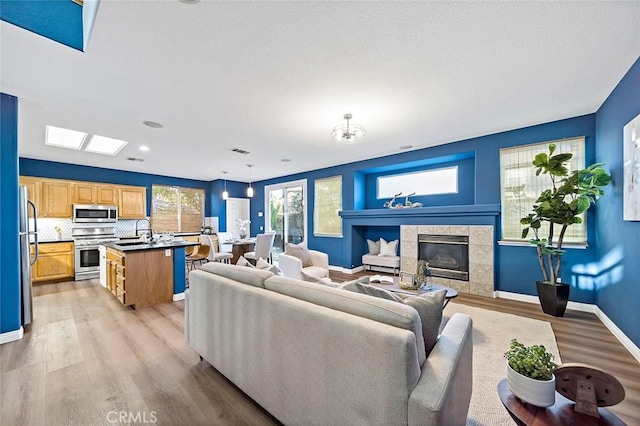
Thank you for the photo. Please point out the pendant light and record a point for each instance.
(250, 188)
(225, 194)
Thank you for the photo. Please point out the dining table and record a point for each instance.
(240, 247)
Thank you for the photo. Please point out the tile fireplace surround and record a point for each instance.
(481, 255)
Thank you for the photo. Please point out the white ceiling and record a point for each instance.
(274, 78)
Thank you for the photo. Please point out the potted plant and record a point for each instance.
(570, 195)
(530, 373)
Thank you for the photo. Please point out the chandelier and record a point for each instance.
(348, 133)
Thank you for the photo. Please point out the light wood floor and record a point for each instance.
(87, 359)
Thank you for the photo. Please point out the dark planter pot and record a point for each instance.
(553, 297)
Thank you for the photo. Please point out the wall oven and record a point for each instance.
(94, 213)
(87, 242)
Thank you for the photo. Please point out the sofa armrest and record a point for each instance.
(290, 266)
(320, 259)
(443, 393)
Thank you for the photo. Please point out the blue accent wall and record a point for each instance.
(10, 319)
(58, 20)
(55, 170)
(479, 158)
(619, 240)
(179, 270)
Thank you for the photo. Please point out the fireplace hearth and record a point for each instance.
(447, 255)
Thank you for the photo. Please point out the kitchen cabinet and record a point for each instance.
(55, 198)
(33, 189)
(140, 278)
(55, 262)
(133, 202)
(107, 194)
(84, 193)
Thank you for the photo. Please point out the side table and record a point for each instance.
(559, 414)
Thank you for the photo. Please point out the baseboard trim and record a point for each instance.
(576, 306)
(178, 296)
(619, 334)
(11, 336)
(584, 307)
(346, 270)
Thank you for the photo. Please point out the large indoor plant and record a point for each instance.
(570, 195)
(530, 373)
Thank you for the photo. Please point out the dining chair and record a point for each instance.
(223, 237)
(264, 242)
(215, 256)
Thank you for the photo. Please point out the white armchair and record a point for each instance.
(292, 267)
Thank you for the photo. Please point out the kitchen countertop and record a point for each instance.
(62, 240)
(135, 246)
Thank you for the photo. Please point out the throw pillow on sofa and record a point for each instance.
(374, 247)
(324, 281)
(388, 248)
(429, 307)
(244, 262)
(263, 264)
(299, 251)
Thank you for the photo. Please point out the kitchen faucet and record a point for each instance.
(149, 230)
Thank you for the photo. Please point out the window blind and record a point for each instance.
(177, 209)
(520, 187)
(327, 204)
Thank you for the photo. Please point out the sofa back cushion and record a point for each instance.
(252, 276)
(376, 309)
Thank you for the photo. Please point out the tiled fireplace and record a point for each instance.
(477, 256)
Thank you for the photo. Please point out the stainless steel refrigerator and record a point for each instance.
(25, 256)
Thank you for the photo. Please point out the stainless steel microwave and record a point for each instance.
(90, 213)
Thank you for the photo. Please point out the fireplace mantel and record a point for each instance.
(409, 216)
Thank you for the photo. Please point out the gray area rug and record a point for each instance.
(492, 332)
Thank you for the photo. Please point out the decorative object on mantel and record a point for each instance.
(407, 281)
(407, 204)
(242, 227)
(589, 387)
(570, 196)
(530, 373)
(348, 133)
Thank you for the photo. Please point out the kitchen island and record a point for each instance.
(145, 274)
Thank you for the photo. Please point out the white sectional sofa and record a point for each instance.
(315, 355)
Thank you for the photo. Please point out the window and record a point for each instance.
(520, 187)
(327, 204)
(428, 182)
(177, 209)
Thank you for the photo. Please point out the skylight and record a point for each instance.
(64, 138)
(103, 145)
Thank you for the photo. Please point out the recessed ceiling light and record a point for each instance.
(103, 145)
(286, 160)
(189, 1)
(153, 124)
(64, 138)
(143, 148)
(406, 147)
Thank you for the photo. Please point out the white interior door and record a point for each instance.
(237, 208)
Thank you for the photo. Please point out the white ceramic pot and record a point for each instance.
(541, 393)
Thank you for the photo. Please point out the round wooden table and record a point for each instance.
(559, 414)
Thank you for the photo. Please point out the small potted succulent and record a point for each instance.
(530, 373)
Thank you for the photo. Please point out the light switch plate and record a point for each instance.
(259, 214)
(167, 252)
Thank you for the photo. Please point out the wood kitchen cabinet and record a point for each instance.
(140, 278)
(133, 202)
(84, 193)
(33, 189)
(55, 262)
(107, 194)
(55, 198)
